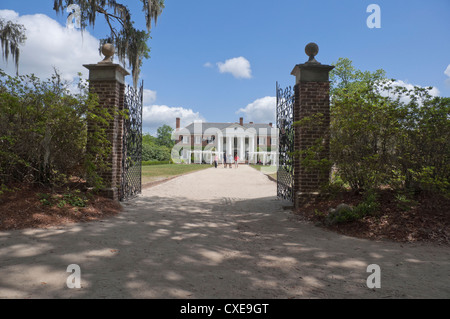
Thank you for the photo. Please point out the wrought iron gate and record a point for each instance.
(285, 124)
(131, 181)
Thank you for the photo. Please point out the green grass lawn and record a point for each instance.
(160, 172)
(268, 170)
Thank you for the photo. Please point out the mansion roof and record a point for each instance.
(210, 127)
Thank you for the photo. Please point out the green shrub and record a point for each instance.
(155, 153)
(43, 132)
(369, 206)
(73, 198)
(151, 163)
(404, 201)
(382, 133)
(344, 213)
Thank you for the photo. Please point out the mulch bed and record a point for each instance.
(427, 219)
(22, 208)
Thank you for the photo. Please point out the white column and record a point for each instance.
(242, 148)
(229, 149)
(219, 144)
(253, 149)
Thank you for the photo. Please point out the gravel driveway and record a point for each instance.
(217, 233)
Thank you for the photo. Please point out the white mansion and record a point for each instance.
(201, 142)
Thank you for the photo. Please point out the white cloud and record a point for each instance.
(49, 44)
(155, 116)
(261, 111)
(447, 72)
(208, 65)
(433, 92)
(9, 15)
(238, 67)
(149, 96)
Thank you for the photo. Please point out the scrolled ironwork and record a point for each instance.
(285, 124)
(131, 181)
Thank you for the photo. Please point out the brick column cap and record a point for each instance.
(106, 72)
(312, 72)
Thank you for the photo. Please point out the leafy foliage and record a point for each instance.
(384, 134)
(12, 35)
(154, 149)
(153, 163)
(130, 43)
(43, 132)
(154, 152)
(73, 198)
(344, 214)
(164, 136)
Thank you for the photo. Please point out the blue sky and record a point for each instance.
(256, 43)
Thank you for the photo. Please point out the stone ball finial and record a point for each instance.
(311, 50)
(108, 51)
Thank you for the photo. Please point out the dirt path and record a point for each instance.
(218, 233)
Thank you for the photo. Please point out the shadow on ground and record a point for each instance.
(229, 248)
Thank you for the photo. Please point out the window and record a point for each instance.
(274, 141)
(262, 141)
(198, 140)
(185, 139)
(210, 139)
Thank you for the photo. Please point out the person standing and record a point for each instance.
(236, 160)
(216, 159)
(224, 160)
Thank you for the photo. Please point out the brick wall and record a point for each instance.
(111, 97)
(311, 98)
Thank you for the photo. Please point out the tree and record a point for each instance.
(130, 43)
(342, 74)
(345, 76)
(385, 134)
(155, 153)
(164, 136)
(43, 132)
(152, 150)
(148, 139)
(12, 35)
(424, 148)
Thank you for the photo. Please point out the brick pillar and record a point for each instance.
(312, 96)
(107, 80)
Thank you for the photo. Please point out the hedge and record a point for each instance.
(151, 163)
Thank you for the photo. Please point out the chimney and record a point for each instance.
(178, 125)
(241, 121)
(271, 124)
(251, 123)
